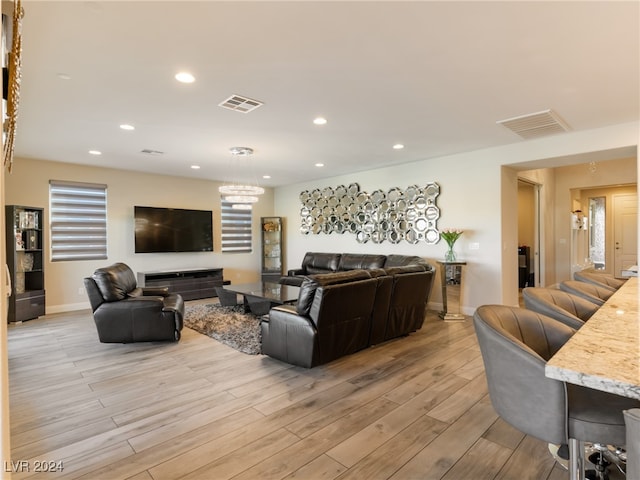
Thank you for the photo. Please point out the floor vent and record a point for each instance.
(240, 104)
(536, 125)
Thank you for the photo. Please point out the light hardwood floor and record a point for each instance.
(413, 408)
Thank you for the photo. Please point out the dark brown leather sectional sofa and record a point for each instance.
(315, 262)
(341, 310)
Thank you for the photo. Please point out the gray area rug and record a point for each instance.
(228, 325)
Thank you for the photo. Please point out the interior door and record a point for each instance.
(625, 231)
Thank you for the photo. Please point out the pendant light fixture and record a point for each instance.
(241, 195)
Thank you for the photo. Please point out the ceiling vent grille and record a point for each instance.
(240, 104)
(536, 125)
(148, 151)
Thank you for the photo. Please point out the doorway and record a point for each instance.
(612, 223)
(529, 265)
(625, 232)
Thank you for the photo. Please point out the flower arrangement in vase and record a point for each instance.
(450, 236)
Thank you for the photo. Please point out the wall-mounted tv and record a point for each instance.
(172, 230)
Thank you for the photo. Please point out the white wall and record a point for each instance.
(477, 195)
(28, 184)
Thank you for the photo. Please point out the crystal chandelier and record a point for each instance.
(241, 195)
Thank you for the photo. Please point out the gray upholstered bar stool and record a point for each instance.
(562, 306)
(601, 279)
(516, 344)
(594, 293)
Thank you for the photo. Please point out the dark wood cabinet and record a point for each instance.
(191, 284)
(271, 248)
(25, 261)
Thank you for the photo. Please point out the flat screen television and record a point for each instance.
(172, 230)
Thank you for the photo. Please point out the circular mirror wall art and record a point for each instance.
(362, 237)
(393, 215)
(327, 192)
(411, 236)
(377, 196)
(394, 195)
(432, 190)
(420, 224)
(411, 193)
(394, 236)
(377, 236)
(432, 236)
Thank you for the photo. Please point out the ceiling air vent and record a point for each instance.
(240, 104)
(536, 125)
(148, 151)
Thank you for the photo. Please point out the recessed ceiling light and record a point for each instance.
(125, 126)
(398, 146)
(320, 121)
(266, 176)
(185, 77)
(319, 164)
(95, 152)
(195, 167)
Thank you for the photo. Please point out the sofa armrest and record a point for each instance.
(296, 271)
(173, 303)
(286, 308)
(289, 337)
(155, 291)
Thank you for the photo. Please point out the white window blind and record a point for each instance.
(78, 220)
(236, 229)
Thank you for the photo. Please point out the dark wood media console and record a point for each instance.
(191, 283)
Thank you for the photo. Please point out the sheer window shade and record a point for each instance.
(78, 221)
(236, 229)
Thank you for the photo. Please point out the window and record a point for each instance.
(236, 229)
(78, 221)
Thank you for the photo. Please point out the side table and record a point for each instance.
(451, 280)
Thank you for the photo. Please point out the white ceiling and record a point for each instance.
(435, 76)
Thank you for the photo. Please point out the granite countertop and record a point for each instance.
(605, 353)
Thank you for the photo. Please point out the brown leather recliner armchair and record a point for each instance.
(125, 313)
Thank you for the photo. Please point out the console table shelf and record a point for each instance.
(191, 284)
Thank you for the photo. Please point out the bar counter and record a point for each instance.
(605, 353)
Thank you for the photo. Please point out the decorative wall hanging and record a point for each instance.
(395, 215)
(13, 79)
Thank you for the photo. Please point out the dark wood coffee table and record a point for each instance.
(260, 297)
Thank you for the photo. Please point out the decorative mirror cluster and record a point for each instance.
(395, 215)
